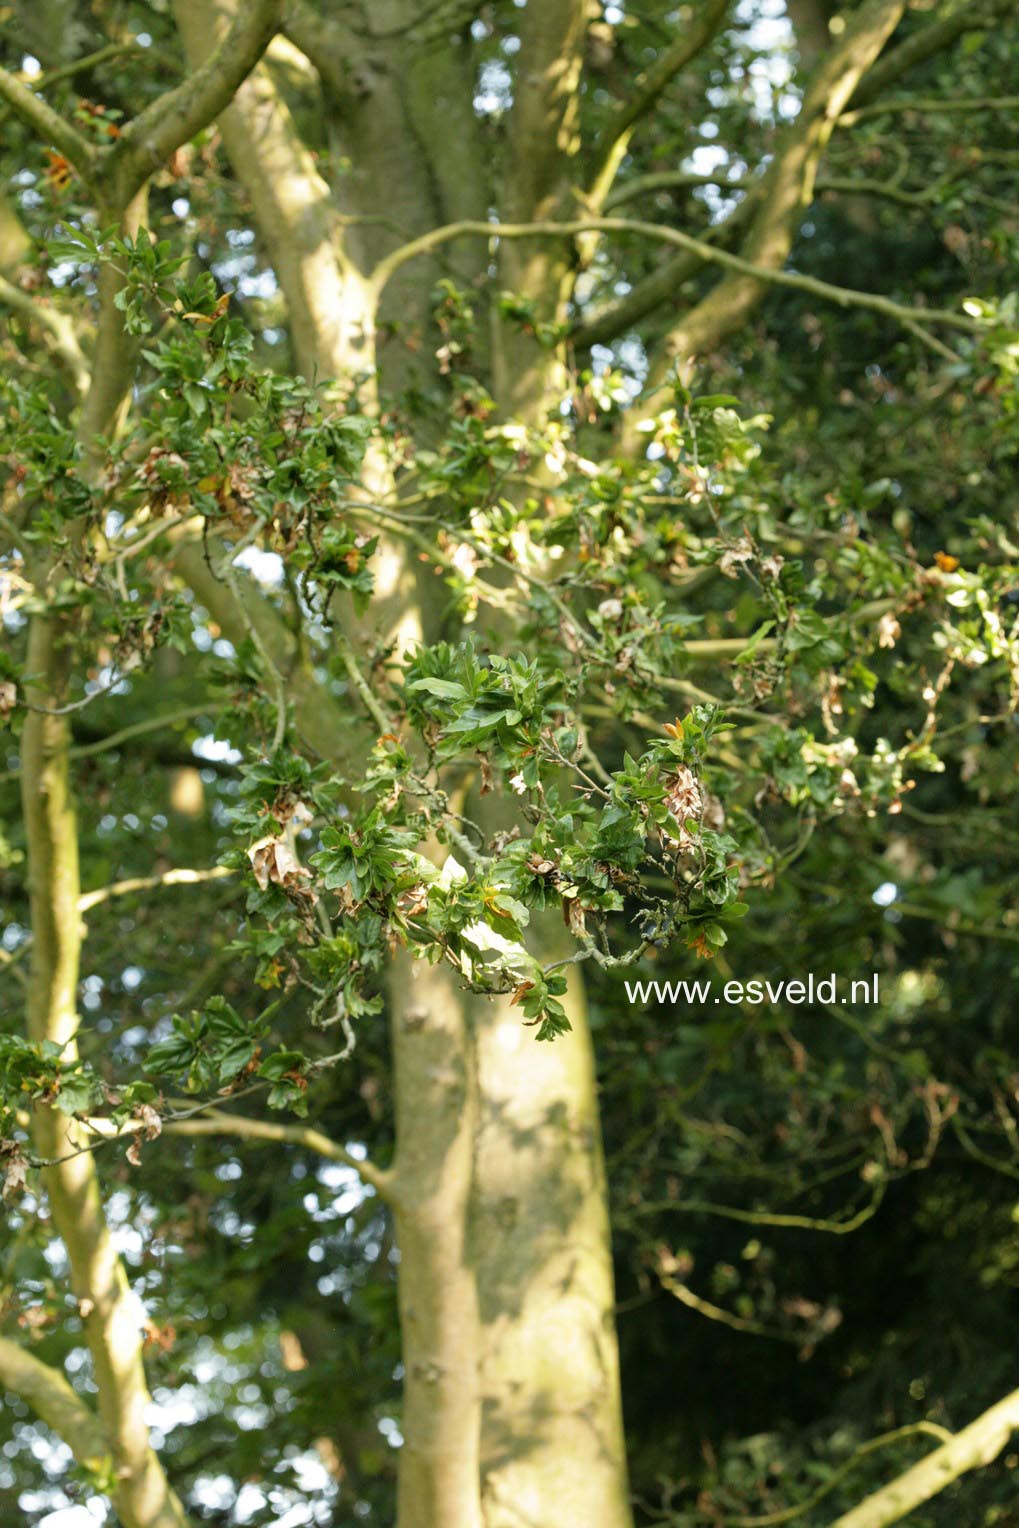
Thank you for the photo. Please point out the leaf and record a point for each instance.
(276, 1066)
(172, 1054)
(15, 1169)
(77, 1094)
(232, 1059)
(445, 689)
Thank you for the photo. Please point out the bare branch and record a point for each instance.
(86, 62)
(180, 877)
(214, 1122)
(774, 1218)
(175, 118)
(151, 724)
(976, 1445)
(685, 1295)
(928, 106)
(52, 1398)
(884, 1440)
(663, 284)
(348, 657)
(851, 184)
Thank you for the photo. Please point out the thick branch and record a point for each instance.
(116, 353)
(325, 42)
(542, 143)
(976, 1445)
(787, 188)
(294, 208)
(49, 125)
(175, 118)
(142, 1497)
(955, 18)
(543, 133)
(15, 243)
(52, 1398)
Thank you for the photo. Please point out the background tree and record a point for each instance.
(448, 556)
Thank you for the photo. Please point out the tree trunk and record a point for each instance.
(436, 1115)
(553, 1449)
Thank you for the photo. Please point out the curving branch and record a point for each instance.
(51, 1397)
(663, 284)
(775, 1219)
(839, 1474)
(685, 1295)
(151, 137)
(214, 1122)
(844, 297)
(150, 724)
(208, 1119)
(976, 1445)
(87, 62)
(143, 1497)
(324, 41)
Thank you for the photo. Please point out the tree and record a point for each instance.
(415, 505)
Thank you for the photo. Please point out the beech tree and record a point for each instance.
(387, 432)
